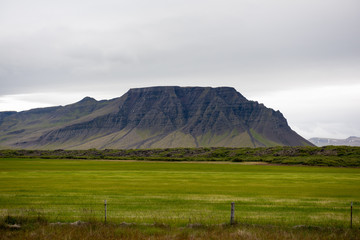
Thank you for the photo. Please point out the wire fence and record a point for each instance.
(235, 213)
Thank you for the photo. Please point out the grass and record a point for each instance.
(178, 194)
(40, 231)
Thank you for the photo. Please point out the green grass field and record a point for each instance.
(178, 193)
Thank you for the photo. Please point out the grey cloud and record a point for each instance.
(256, 45)
(69, 42)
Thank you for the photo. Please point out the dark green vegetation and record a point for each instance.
(336, 156)
(156, 117)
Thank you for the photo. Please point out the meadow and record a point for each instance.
(178, 193)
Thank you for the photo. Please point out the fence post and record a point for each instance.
(105, 210)
(351, 210)
(232, 213)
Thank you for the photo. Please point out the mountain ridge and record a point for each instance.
(153, 117)
(350, 141)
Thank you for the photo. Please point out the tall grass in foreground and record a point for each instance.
(38, 229)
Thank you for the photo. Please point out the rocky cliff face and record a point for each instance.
(155, 117)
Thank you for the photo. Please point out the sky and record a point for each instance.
(301, 57)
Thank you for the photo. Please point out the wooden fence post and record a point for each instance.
(232, 213)
(351, 210)
(105, 210)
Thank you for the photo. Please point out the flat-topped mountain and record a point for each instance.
(154, 117)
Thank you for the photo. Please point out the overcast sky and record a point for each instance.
(301, 57)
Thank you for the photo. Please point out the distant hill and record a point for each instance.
(155, 117)
(350, 141)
